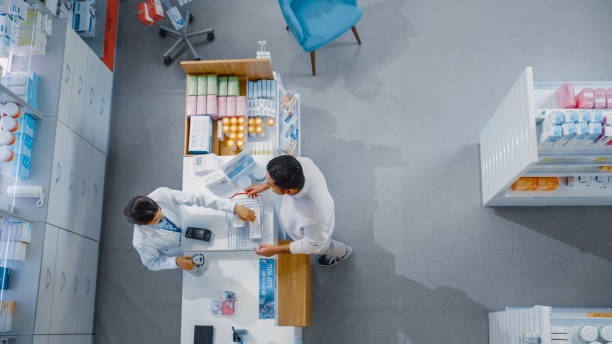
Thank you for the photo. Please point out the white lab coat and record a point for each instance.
(157, 247)
(308, 217)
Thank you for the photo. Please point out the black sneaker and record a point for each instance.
(331, 260)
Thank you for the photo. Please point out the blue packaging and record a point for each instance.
(27, 125)
(19, 167)
(266, 288)
(5, 277)
(23, 145)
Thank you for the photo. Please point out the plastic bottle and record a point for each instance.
(226, 129)
(271, 122)
(226, 121)
(231, 144)
(241, 120)
(240, 135)
(233, 128)
(6, 154)
(232, 136)
(259, 131)
(12, 109)
(241, 128)
(233, 121)
(9, 123)
(251, 130)
(240, 145)
(7, 138)
(251, 120)
(258, 121)
(587, 333)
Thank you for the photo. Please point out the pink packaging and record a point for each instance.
(211, 105)
(222, 107)
(566, 96)
(609, 98)
(201, 105)
(192, 105)
(586, 99)
(231, 106)
(241, 106)
(600, 98)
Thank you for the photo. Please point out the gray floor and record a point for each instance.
(394, 126)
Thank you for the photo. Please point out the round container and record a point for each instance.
(271, 122)
(258, 121)
(9, 123)
(240, 135)
(7, 138)
(251, 129)
(241, 128)
(587, 333)
(605, 332)
(240, 120)
(232, 136)
(12, 109)
(231, 144)
(240, 145)
(226, 129)
(233, 120)
(251, 121)
(225, 121)
(6, 154)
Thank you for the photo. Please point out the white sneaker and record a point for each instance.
(331, 260)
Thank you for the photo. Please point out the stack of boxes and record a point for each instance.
(566, 128)
(150, 12)
(12, 14)
(84, 18)
(33, 33)
(209, 98)
(15, 236)
(24, 85)
(587, 98)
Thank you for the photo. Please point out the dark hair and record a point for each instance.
(141, 210)
(286, 172)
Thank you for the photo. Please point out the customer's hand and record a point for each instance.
(185, 263)
(266, 250)
(244, 213)
(254, 190)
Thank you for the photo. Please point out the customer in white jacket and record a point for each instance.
(157, 224)
(307, 210)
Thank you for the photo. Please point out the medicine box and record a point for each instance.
(23, 145)
(585, 98)
(27, 125)
(19, 167)
(200, 135)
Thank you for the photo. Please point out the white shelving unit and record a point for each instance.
(509, 150)
(54, 288)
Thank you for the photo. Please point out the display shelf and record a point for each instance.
(509, 146)
(6, 93)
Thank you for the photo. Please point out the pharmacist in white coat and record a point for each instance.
(307, 210)
(157, 224)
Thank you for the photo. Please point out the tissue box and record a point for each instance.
(200, 135)
(566, 96)
(586, 98)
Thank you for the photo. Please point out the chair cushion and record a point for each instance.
(324, 20)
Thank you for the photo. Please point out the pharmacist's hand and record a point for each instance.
(254, 190)
(185, 263)
(244, 213)
(266, 250)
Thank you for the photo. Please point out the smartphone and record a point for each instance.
(198, 233)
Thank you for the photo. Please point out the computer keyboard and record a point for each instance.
(202, 334)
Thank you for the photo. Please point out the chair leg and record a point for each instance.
(356, 35)
(312, 61)
(287, 28)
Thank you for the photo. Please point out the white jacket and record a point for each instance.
(308, 216)
(151, 242)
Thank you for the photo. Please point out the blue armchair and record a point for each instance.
(315, 23)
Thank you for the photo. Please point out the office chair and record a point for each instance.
(315, 23)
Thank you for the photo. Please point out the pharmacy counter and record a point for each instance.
(228, 270)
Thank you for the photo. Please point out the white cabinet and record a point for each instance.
(47, 281)
(67, 77)
(78, 100)
(62, 190)
(79, 207)
(74, 293)
(40, 339)
(95, 195)
(100, 112)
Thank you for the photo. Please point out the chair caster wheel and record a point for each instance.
(210, 36)
(197, 59)
(190, 18)
(163, 33)
(167, 60)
